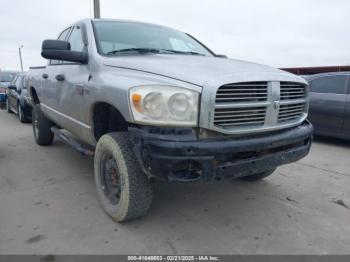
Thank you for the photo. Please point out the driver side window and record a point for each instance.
(76, 39)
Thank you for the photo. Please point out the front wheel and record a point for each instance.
(258, 176)
(124, 190)
(41, 127)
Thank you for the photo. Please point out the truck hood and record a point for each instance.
(199, 70)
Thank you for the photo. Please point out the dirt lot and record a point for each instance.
(48, 205)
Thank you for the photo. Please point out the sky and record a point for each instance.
(280, 33)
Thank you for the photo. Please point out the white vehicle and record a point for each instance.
(153, 102)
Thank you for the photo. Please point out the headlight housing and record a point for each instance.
(164, 105)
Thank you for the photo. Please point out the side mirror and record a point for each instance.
(221, 56)
(60, 50)
(12, 87)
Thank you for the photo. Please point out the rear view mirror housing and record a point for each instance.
(61, 50)
(12, 87)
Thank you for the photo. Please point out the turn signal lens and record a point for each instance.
(136, 100)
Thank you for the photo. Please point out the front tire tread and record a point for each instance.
(45, 136)
(137, 192)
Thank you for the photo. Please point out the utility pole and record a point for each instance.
(97, 9)
(20, 56)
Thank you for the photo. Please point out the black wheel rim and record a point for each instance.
(110, 179)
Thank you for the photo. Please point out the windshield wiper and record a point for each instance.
(137, 50)
(182, 52)
(151, 50)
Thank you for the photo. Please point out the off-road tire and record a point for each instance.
(258, 176)
(8, 109)
(136, 192)
(41, 127)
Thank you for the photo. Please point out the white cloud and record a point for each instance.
(274, 32)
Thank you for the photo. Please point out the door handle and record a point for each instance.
(59, 77)
(45, 76)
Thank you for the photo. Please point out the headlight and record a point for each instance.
(164, 105)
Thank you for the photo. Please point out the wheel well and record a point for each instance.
(107, 119)
(34, 95)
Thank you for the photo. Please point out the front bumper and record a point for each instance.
(175, 155)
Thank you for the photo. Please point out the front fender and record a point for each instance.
(112, 86)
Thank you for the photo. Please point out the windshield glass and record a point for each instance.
(115, 38)
(7, 76)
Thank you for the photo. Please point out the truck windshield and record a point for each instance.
(116, 38)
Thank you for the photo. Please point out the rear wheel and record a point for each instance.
(123, 189)
(41, 127)
(258, 176)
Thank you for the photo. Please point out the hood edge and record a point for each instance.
(148, 72)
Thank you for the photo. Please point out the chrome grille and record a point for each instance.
(240, 116)
(292, 90)
(259, 106)
(291, 112)
(242, 92)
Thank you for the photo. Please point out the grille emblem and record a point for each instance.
(276, 104)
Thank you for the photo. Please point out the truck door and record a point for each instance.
(49, 82)
(327, 103)
(71, 81)
(346, 125)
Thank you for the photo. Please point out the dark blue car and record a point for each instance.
(6, 77)
(330, 104)
(18, 100)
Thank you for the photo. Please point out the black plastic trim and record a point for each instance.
(158, 154)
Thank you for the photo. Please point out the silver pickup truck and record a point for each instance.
(152, 102)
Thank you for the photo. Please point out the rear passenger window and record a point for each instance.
(62, 36)
(329, 84)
